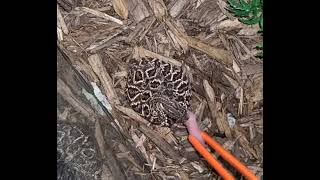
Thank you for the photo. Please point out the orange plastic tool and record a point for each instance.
(224, 173)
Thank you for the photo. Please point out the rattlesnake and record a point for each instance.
(77, 154)
(159, 91)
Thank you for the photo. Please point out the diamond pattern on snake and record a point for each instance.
(159, 91)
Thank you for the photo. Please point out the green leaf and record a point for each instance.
(254, 12)
(259, 55)
(255, 8)
(233, 3)
(259, 45)
(245, 5)
(240, 13)
(255, 3)
(261, 22)
(248, 11)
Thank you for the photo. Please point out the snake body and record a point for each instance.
(78, 156)
(158, 91)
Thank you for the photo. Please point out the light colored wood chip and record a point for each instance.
(220, 55)
(141, 52)
(100, 14)
(142, 149)
(245, 143)
(183, 175)
(132, 114)
(178, 42)
(120, 74)
(178, 6)
(73, 100)
(240, 108)
(64, 114)
(121, 8)
(249, 30)
(220, 117)
(223, 124)
(61, 22)
(200, 109)
(59, 34)
(158, 7)
(106, 81)
(235, 66)
(223, 5)
(233, 82)
(197, 167)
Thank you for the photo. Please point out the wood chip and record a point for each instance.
(141, 52)
(96, 46)
(200, 109)
(61, 22)
(197, 167)
(245, 48)
(220, 117)
(178, 6)
(106, 81)
(211, 101)
(142, 149)
(74, 101)
(131, 113)
(100, 14)
(158, 7)
(121, 8)
(240, 108)
(223, 5)
(223, 125)
(235, 67)
(160, 143)
(220, 55)
(178, 42)
(138, 10)
(106, 151)
(63, 116)
(59, 34)
(183, 175)
(233, 82)
(245, 143)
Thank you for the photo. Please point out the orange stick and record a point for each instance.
(228, 157)
(210, 159)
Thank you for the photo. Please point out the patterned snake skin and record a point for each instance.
(158, 91)
(77, 153)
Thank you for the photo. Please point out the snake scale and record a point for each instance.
(159, 91)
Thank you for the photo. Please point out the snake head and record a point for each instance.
(168, 110)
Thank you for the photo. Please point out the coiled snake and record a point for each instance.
(158, 91)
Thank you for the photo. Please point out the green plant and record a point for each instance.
(260, 47)
(249, 12)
